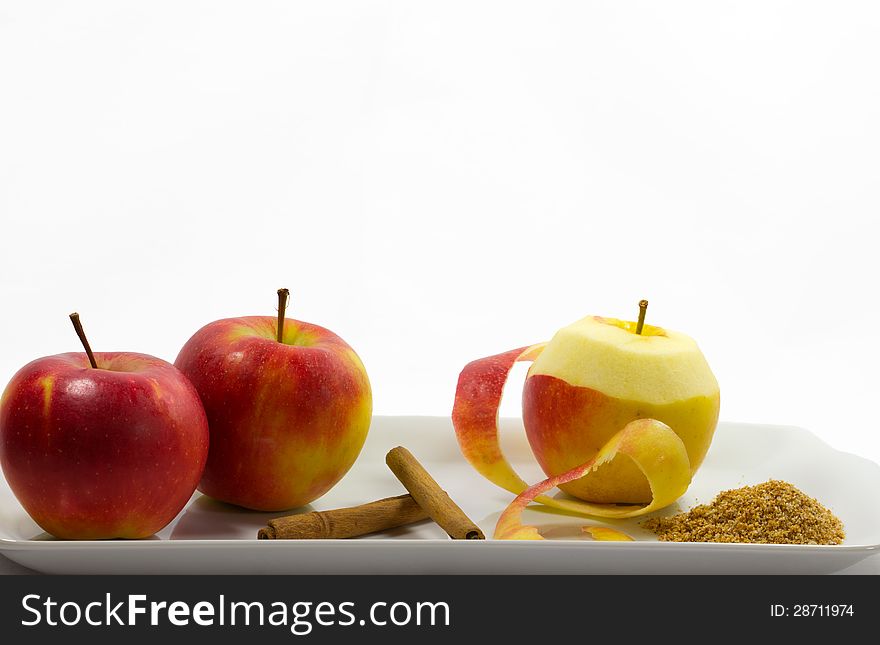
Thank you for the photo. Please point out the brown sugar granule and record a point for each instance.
(774, 512)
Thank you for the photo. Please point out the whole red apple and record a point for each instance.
(287, 417)
(112, 451)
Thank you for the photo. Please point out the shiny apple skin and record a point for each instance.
(287, 419)
(102, 453)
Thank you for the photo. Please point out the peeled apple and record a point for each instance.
(616, 413)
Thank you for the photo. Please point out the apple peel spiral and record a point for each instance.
(652, 446)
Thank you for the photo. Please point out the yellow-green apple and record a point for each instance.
(288, 403)
(585, 386)
(102, 445)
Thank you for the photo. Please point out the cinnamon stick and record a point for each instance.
(431, 497)
(380, 515)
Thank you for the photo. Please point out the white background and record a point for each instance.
(439, 182)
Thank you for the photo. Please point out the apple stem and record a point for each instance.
(643, 308)
(77, 325)
(283, 296)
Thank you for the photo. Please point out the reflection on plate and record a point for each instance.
(212, 537)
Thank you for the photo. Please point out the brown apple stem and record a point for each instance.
(77, 325)
(643, 308)
(283, 296)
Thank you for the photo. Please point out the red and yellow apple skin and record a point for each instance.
(113, 452)
(287, 420)
(566, 425)
(650, 444)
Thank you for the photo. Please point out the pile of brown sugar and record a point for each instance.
(774, 512)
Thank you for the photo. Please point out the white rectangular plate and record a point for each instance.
(210, 537)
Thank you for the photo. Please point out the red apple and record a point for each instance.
(287, 417)
(112, 451)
